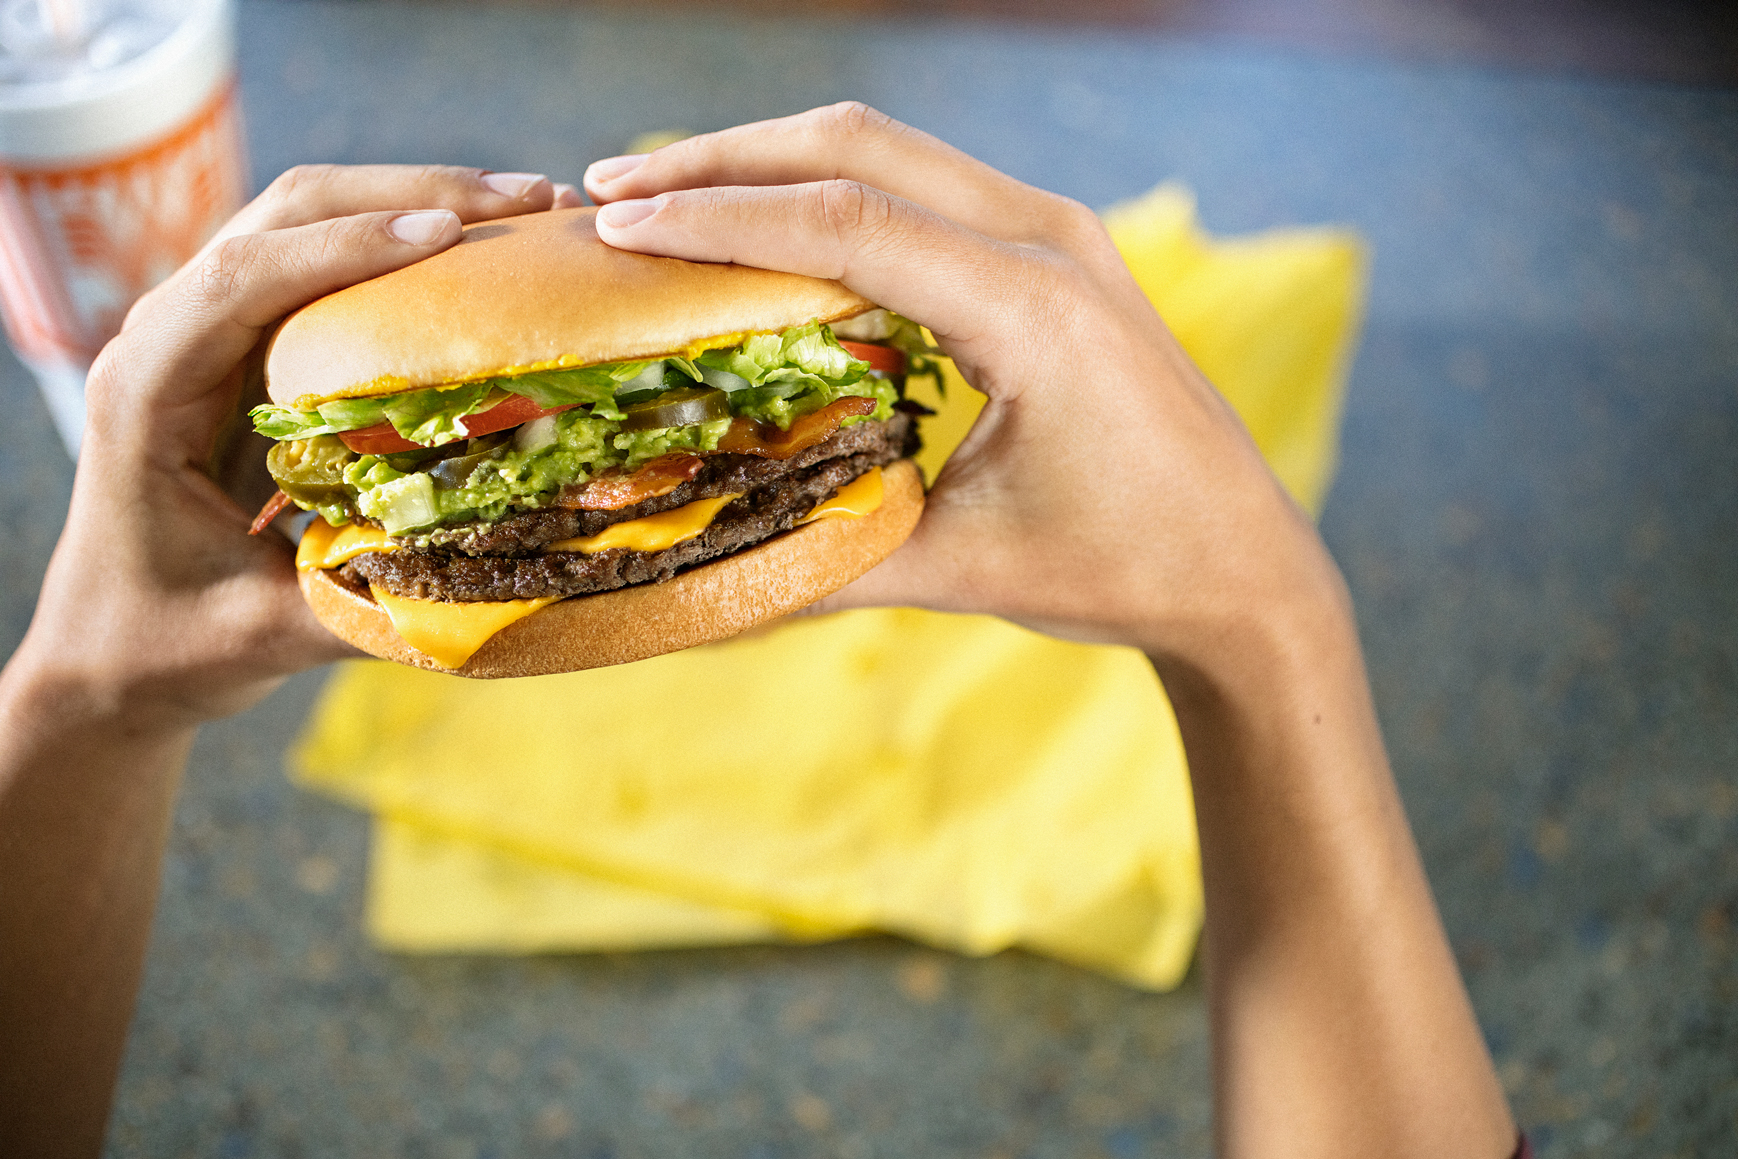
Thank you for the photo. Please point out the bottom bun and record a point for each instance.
(710, 602)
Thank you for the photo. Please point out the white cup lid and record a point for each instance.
(120, 109)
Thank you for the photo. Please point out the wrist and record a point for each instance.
(1272, 678)
(43, 701)
(1284, 747)
(1287, 638)
(1278, 604)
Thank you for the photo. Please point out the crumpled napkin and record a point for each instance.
(952, 779)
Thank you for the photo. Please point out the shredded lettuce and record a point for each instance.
(815, 351)
(432, 417)
(280, 422)
(802, 356)
(780, 366)
(589, 385)
(768, 371)
(348, 414)
(771, 378)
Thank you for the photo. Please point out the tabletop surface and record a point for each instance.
(1536, 513)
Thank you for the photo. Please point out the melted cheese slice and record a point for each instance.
(450, 633)
(324, 547)
(651, 533)
(447, 633)
(854, 500)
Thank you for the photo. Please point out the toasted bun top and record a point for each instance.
(528, 293)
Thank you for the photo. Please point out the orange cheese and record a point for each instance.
(651, 533)
(450, 633)
(852, 501)
(324, 547)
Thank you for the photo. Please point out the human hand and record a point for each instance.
(158, 606)
(1106, 491)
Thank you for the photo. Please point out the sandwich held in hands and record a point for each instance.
(534, 453)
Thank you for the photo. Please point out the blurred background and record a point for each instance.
(1686, 41)
(1535, 509)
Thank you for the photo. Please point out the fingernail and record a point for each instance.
(513, 185)
(621, 214)
(611, 168)
(424, 228)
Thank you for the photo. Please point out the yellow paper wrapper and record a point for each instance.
(953, 779)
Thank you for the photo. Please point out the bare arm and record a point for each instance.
(84, 805)
(160, 611)
(1108, 493)
(1340, 1026)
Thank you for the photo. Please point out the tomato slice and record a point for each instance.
(887, 359)
(382, 439)
(509, 413)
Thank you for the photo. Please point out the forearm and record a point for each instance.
(85, 799)
(1340, 1023)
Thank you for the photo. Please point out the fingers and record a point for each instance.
(848, 141)
(893, 252)
(193, 335)
(310, 193)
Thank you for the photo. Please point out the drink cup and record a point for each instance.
(120, 155)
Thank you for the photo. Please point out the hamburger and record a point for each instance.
(535, 453)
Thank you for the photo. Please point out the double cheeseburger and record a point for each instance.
(534, 453)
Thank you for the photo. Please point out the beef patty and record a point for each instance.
(506, 560)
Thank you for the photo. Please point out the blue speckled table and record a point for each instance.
(1536, 512)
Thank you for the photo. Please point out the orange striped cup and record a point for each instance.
(109, 181)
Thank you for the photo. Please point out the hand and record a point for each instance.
(159, 611)
(158, 605)
(1106, 492)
